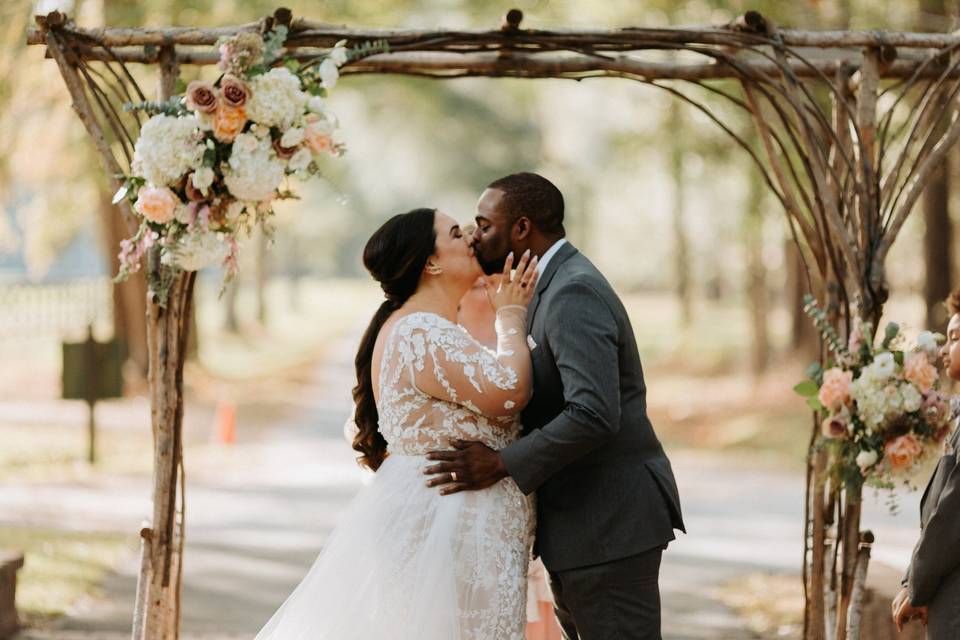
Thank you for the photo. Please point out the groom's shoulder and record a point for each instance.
(579, 270)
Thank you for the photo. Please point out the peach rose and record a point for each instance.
(835, 390)
(228, 122)
(201, 97)
(317, 138)
(234, 91)
(918, 370)
(157, 204)
(902, 451)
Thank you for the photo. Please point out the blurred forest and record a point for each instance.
(657, 196)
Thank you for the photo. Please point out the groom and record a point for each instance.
(607, 500)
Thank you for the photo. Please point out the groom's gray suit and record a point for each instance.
(607, 501)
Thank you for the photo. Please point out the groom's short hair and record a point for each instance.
(533, 196)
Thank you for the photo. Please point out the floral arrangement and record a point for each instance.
(210, 162)
(883, 411)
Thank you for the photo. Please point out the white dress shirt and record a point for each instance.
(546, 257)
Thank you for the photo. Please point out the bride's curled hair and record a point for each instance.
(395, 256)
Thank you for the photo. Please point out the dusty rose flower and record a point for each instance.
(283, 152)
(834, 427)
(935, 409)
(835, 390)
(317, 137)
(157, 204)
(201, 97)
(228, 122)
(902, 451)
(918, 370)
(234, 90)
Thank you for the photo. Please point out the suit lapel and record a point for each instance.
(563, 254)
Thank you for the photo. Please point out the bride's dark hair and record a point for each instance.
(395, 256)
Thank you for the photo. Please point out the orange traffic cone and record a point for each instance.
(225, 423)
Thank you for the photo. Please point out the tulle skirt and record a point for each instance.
(406, 563)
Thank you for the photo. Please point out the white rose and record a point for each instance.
(300, 160)
(203, 178)
(329, 74)
(292, 137)
(884, 365)
(339, 55)
(316, 104)
(866, 459)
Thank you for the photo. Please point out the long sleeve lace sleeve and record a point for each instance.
(447, 363)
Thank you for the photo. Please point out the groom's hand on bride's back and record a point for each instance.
(470, 466)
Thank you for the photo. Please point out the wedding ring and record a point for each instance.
(453, 476)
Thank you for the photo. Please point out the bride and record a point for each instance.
(406, 562)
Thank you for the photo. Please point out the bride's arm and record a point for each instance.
(457, 368)
(496, 384)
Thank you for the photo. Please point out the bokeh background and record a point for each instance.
(666, 206)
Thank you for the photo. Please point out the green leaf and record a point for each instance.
(815, 404)
(890, 333)
(180, 86)
(121, 192)
(292, 64)
(898, 357)
(806, 389)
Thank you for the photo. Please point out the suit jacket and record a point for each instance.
(933, 577)
(605, 489)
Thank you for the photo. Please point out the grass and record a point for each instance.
(60, 566)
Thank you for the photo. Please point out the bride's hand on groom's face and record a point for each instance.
(469, 467)
(515, 288)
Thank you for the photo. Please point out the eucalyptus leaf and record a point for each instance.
(815, 404)
(890, 333)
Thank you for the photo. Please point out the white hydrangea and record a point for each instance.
(275, 98)
(912, 398)
(194, 251)
(168, 147)
(871, 400)
(254, 171)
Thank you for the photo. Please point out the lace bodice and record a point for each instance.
(437, 383)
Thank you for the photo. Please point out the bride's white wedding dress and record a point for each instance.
(405, 562)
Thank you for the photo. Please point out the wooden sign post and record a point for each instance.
(91, 372)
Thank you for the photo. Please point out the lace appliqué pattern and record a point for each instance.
(494, 528)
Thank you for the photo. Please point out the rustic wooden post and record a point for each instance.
(859, 585)
(167, 329)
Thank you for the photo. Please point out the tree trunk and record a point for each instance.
(938, 231)
(756, 275)
(681, 251)
(129, 297)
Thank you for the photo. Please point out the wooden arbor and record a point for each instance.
(851, 127)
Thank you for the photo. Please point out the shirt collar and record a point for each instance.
(548, 255)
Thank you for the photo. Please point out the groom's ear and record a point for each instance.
(522, 228)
